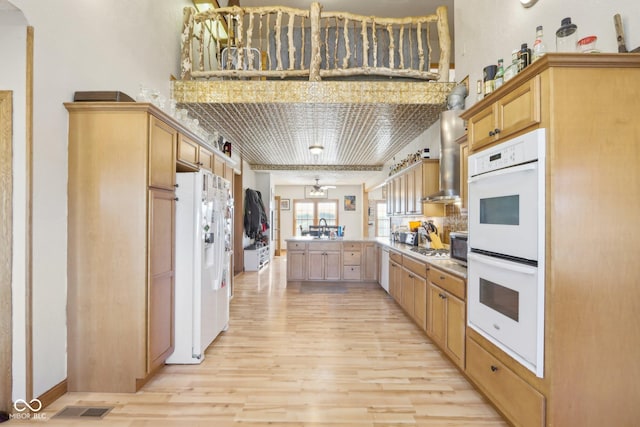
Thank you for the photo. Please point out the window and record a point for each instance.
(382, 220)
(309, 212)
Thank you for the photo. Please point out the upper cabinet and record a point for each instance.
(192, 156)
(406, 189)
(517, 110)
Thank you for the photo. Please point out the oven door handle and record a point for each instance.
(506, 171)
(505, 265)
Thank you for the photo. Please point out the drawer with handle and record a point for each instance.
(351, 257)
(351, 272)
(296, 246)
(448, 282)
(520, 402)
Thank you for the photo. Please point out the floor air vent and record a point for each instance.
(84, 412)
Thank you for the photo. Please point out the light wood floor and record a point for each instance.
(310, 354)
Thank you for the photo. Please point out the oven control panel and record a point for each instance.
(522, 149)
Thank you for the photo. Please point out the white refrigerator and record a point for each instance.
(202, 264)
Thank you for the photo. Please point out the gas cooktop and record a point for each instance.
(432, 253)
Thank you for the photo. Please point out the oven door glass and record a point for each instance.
(503, 211)
(505, 305)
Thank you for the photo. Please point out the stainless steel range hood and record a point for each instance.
(451, 128)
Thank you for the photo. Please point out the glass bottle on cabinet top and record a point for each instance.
(512, 69)
(539, 46)
(566, 36)
(499, 80)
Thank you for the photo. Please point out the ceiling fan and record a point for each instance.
(318, 187)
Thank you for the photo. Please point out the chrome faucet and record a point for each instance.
(324, 228)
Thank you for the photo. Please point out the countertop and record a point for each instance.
(443, 264)
(308, 239)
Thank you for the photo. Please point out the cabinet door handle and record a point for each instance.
(494, 368)
(176, 185)
(442, 296)
(496, 131)
(491, 133)
(176, 199)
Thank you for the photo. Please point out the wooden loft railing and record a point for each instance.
(282, 42)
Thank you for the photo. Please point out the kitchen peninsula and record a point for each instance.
(314, 259)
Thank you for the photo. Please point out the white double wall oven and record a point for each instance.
(507, 247)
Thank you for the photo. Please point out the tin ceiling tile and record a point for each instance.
(272, 123)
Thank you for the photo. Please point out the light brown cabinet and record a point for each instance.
(407, 285)
(414, 282)
(161, 277)
(296, 261)
(219, 166)
(406, 189)
(370, 263)
(192, 156)
(206, 159)
(414, 189)
(324, 261)
(517, 110)
(120, 244)
(188, 156)
(351, 261)
(447, 314)
(395, 276)
(591, 154)
(464, 171)
(389, 197)
(332, 260)
(522, 404)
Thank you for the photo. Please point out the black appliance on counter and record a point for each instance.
(458, 246)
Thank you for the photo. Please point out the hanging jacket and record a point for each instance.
(251, 213)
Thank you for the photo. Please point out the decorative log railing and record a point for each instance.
(282, 42)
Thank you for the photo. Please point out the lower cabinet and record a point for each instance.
(332, 260)
(447, 314)
(395, 276)
(161, 281)
(446, 325)
(414, 282)
(323, 265)
(296, 265)
(370, 262)
(408, 286)
(522, 404)
(351, 261)
(420, 302)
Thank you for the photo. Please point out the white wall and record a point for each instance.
(80, 45)
(13, 35)
(484, 34)
(352, 220)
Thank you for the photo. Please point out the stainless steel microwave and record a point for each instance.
(458, 246)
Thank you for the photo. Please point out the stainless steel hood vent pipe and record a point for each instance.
(451, 128)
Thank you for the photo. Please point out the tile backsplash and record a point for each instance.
(455, 219)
